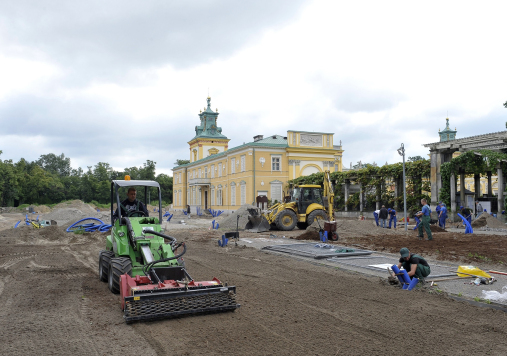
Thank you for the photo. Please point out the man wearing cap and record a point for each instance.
(392, 214)
(424, 215)
(415, 265)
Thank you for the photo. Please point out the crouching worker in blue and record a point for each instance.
(375, 215)
(131, 206)
(415, 265)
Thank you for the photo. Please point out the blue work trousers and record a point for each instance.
(441, 221)
(393, 218)
(375, 215)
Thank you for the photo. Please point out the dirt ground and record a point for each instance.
(52, 302)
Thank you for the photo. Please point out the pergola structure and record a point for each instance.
(441, 152)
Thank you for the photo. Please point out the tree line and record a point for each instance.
(51, 179)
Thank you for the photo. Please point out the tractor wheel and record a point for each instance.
(286, 220)
(302, 225)
(317, 214)
(118, 266)
(104, 261)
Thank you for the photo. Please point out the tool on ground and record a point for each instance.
(497, 272)
(471, 271)
(146, 267)
(307, 204)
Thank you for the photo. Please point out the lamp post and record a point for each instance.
(401, 152)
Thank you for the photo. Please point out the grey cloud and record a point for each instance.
(106, 39)
(89, 132)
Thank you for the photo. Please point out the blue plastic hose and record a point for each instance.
(87, 225)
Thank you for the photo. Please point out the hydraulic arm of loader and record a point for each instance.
(328, 195)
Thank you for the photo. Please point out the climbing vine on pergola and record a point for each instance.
(471, 162)
(373, 180)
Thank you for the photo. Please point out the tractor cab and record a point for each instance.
(305, 195)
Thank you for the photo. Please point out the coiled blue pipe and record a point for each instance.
(86, 226)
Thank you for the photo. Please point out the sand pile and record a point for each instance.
(229, 222)
(489, 221)
(66, 217)
(49, 235)
(75, 204)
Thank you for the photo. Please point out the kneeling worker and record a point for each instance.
(414, 264)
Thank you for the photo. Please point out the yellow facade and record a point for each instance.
(220, 178)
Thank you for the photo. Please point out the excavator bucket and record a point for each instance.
(174, 295)
(256, 221)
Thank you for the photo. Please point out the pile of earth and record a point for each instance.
(352, 228)
(435, 228)
(489, 221)
(229, 222)
(53, 234)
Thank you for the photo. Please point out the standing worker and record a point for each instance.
(424, 215)
(442, 216)
(437, 209)
(383, 216)
(392, 214)
(415, 265)
(375, 215)
(188, 211)
(478, 208)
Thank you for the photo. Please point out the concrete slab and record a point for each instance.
(318, 250)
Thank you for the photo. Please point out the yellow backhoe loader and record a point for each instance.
(307, 204)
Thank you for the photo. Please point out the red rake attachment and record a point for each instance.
(174, 294)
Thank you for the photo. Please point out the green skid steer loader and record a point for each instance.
(143, 265)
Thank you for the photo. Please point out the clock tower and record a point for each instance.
(208, 139)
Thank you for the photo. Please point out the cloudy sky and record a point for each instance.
(123, 81)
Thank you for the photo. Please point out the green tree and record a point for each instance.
(166, 186)
(9, 183)
(180, 162)
(52, 163)
(415, 158)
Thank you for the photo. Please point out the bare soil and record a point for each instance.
(52, 302)
(448, 246)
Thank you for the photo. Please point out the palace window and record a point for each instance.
(275, 163)
(233, 165)
(243, 163)
(233, 194)
(220, 169)
(243, 193)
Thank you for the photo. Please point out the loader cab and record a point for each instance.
(305, 195)
(119, 189)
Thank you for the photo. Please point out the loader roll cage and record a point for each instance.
(116, 184)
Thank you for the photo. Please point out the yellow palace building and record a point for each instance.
(223, 178)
